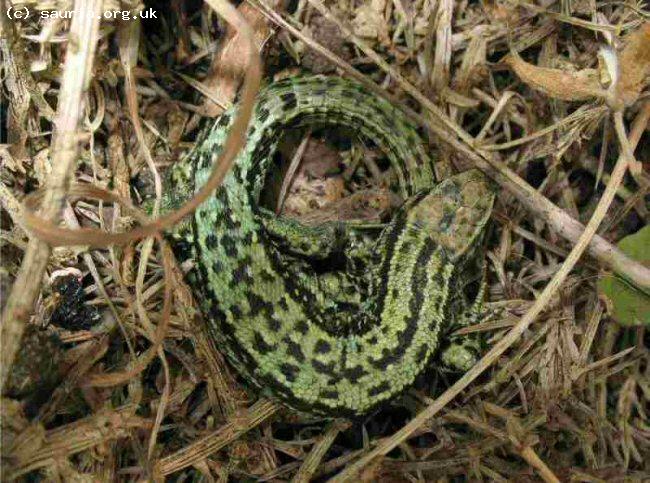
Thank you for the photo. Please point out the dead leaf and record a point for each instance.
(582, 85)
(634, 65)
(369, 20)
(369, 206)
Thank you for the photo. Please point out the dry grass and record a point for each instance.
(128, 389)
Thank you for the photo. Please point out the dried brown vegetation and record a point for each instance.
(534, 94)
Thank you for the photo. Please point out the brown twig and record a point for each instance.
(313, 460)
(229, 432)
(81, 435)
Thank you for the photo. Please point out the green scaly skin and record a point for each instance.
(272, 314)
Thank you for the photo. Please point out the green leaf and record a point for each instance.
(627, 304)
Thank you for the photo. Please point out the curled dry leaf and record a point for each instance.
(634, 65)
(560, 84)
(631, 76)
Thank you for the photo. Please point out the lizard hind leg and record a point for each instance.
(464, 350)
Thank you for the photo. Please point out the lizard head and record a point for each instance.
(455, 212)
